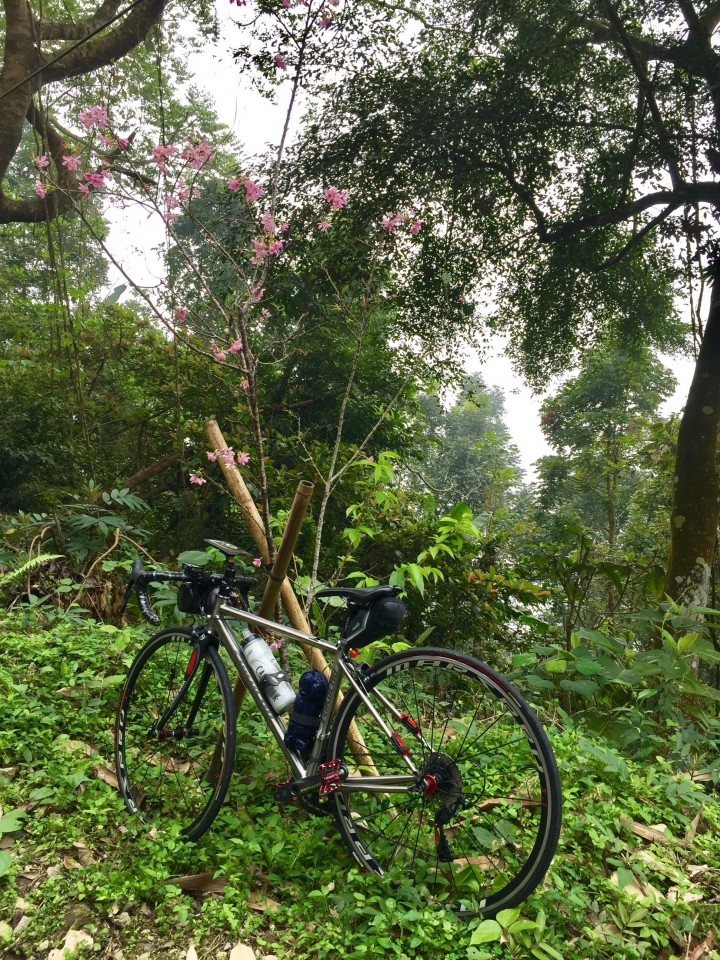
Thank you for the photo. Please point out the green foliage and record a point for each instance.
(610, 894)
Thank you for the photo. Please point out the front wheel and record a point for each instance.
(479, 825)
(175, 732)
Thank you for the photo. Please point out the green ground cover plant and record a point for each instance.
(637, 872)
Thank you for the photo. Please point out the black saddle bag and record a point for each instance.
(366, 624)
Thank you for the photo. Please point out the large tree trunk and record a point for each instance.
(696, 499)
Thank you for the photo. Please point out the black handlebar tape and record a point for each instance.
(145, 607)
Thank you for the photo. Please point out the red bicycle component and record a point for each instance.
(330, 773)
(412, 725)
(430, 783)
(399, 744)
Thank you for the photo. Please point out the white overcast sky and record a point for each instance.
(256, 123)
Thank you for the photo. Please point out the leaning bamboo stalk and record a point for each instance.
(293, 610)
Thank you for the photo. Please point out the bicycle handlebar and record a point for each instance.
(139, 579)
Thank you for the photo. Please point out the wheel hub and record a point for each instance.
(441, 778)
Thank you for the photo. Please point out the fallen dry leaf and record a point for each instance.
(106, 775)
(9, 772)
(695, 870)
(638, 888)
(242, 952)
(690, 896)
(256, 901)
(71, 864)
(200, 883)
(73, 939)
(702, 948)
(692, 829)
(72, 745)
(192, 953)
(84, 856)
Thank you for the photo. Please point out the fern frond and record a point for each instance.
(26, 567)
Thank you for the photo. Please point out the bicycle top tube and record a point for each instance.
(272, 626)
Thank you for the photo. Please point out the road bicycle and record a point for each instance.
(438, 773)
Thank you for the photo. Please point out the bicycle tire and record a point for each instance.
(526, 813)
(140, 759)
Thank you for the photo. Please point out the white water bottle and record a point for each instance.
(270, 676)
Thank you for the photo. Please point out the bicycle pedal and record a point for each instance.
(332, 775)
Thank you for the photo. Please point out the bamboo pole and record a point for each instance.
(291, 605)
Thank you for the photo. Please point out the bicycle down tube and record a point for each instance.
(340, 669)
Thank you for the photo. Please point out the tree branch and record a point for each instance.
(76, 31)
(102, 50)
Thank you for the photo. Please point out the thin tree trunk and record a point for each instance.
(696, 499)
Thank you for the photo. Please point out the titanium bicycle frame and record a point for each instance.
(342, 667)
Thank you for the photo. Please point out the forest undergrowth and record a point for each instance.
(637, 872)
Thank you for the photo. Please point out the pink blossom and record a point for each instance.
(220, 356)
(71, 161)
(161, 154)
(195, 479)
(391, 221)
(243, 458)
(257, 562)
(42, 162)
(285, 3)
(198, 155)
(252, 190)
(171, 201)
(336, 198)
(211, 456)
(326, 21)
(233, 184)
(324, 226)
(184, 191)
(180, 314)
(280, 61)
(170, 217)
(40, 189)
(263, 249)
(415, 228)
(227, 456)
(117, 142)
(95, 179)
(236, 347)
(84, 188)
(93, 117)
(256, 293)
(264, 313)
(462, 298)
(269, 225)
(245, 385)
(283, 227)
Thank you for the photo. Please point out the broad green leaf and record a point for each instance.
(539, 683)
(5, 862)
(523, 660)
(198, 558)
(586, 688)
(625, 877)
(486, 932)
(522, 924)
(11, 821)
(684, 643)
(555, 666)
(506, 917)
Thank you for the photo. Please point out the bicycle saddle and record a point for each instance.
(360, 596)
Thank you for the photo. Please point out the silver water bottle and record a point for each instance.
(273, 682)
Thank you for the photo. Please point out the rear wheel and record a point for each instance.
(479, 829)
(176, 713)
